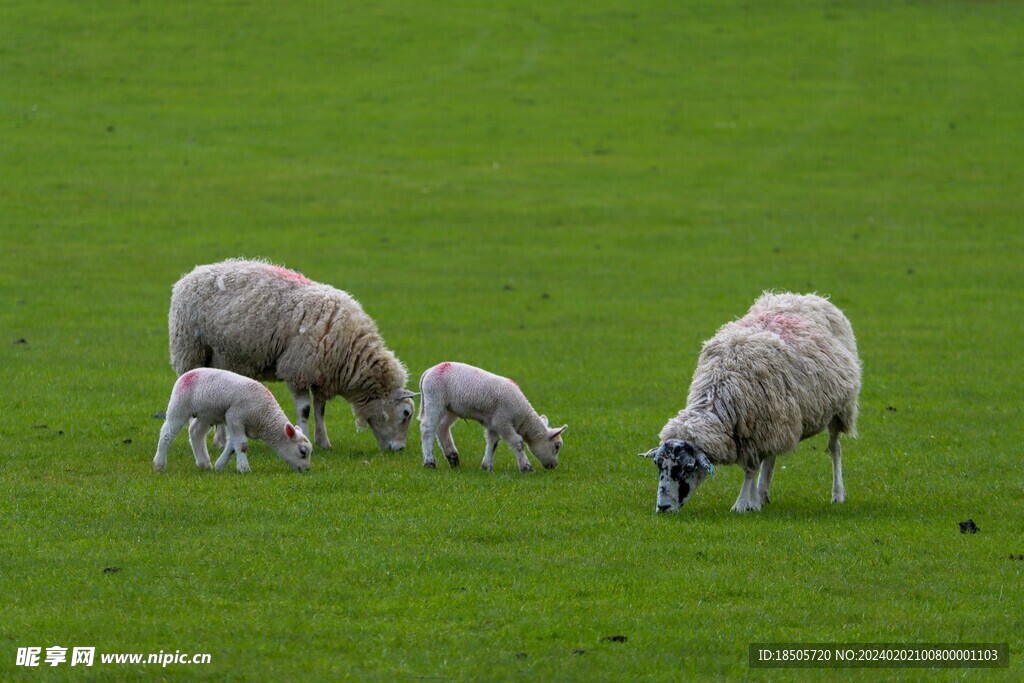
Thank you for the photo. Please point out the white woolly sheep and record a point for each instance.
(267, 322)
(213, 397)
(453, 390)
(784, 372)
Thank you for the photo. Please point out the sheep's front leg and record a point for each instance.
(516, 442)
(172, 425)
(492, 443)
(320, 407)
(444, 437)
(748, 493)
(836, 451)
(301, 398)
(197, 432)
(764, 482)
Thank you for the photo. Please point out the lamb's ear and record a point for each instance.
(552, 433)
(544, 419)
(290, 431)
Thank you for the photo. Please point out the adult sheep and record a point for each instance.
(267, 322)
(785, 371)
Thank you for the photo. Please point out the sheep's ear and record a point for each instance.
(361, 422)
(703, 461)
(552, 433)
(405, 393)
(544, 419)
(290, 431)
(650, 453)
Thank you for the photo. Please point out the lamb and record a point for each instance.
(454, 390)
(213, 397)
(782, 373)
(267, 322)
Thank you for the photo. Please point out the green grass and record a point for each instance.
(571, 194)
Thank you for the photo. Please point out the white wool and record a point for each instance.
(454, 390)
(217, 397)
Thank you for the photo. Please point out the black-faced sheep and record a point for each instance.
(785, 371)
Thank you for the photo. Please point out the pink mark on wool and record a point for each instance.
(442, 368)
(187, 380)
(513, 382)
(290, 275)
(267, 391)
(785, 326)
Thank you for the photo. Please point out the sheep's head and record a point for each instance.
(296, 449)
(388, 418)
(547, 447)
(681, 469)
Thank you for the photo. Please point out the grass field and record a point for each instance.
(571, 194)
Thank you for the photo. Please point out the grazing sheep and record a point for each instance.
(782, 373)
(266, 322)
(213, 397)
(454, 390)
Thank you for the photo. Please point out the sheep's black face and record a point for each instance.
(681, 470)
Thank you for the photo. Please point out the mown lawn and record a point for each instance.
(573, 195)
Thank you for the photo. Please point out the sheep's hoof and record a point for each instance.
(487, 467)
(158, 468)
(430, 464)
(324, 443)
(243, 469)
(526, 468)
(746, 506)
(204, 465)
(453, 459)
(839, 497)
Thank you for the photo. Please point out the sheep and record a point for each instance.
(267, 322)
(453, 390)
(213, 397)
(784, 372)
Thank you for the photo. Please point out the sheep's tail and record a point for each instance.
(422, 398)
(186, 345)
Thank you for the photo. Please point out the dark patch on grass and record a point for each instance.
(579, 652)
(969, 527)
(126, 442)
(60, 431)
(20, 340)
(910, 271)
(776, 250)
(40, 426)
(521, 655)
(507, 288)
(601, 152)
(545, 295)
(111, 570)
(159, 415)
(111, 129)
(877, 542)
(891, 409)
(1019, 556)
(615, 639)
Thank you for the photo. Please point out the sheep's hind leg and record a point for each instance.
(492, 443)
(764, 481)
(428, 432)
(320, 407)
(220, 437)
(172, 425)
(197, 432)
(444, 437)
(302, 403)
(836, 451)
(747, 499)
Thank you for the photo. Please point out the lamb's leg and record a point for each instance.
(320, 407)
(197, 432)
(764, 482)
(428, 432)
(236, 435)
(747, 499)
(231, 447)
(220, 437)
(516, 442)
(492, 443)
(836, 451)
(444, 437)
(301, 398)
(172, 425)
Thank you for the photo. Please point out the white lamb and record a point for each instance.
(453, 390)
(267, 322)
(213, 397)
(784, 372)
